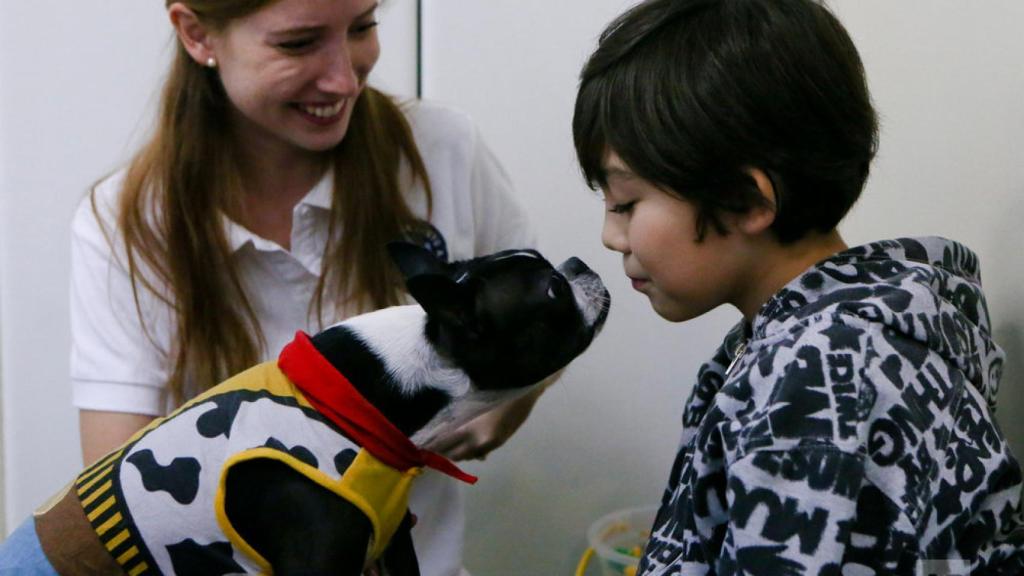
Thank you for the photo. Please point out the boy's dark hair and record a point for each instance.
(690, 94)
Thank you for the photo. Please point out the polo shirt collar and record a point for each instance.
(319, 197)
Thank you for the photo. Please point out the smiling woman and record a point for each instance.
(240, 134)
(291, 91)
(261, 204)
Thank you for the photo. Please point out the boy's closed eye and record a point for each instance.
(622, 207)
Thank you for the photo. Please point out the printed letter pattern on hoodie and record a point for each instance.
(856, 432)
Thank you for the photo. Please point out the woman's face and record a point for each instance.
(294, 69)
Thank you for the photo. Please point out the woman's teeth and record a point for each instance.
(323, 111)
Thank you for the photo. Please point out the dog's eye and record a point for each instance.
(557, 287)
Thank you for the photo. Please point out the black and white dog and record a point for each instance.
(303, 466)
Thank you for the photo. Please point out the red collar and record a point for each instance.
(333, 395)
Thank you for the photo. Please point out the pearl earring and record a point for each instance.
(211, 62)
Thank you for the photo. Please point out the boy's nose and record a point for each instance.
(613, 235)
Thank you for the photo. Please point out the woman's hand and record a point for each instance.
(478, 437)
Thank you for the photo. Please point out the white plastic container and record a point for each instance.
(618, 540)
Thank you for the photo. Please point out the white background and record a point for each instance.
(78, 80)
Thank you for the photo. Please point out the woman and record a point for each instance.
(261, 205)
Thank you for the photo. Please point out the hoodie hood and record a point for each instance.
(926, 289)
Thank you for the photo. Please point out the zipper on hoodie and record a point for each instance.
(748, 335)
(736, 355)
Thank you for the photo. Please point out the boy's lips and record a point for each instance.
(639, 283)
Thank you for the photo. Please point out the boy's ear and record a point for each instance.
(761, 216)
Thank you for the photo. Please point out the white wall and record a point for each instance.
(74, 80)
(77, 77)
(3, 211)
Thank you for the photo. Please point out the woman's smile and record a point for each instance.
(322, 114)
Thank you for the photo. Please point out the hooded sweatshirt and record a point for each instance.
(849, 429)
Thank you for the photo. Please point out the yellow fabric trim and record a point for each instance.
(379, 491)
(100, 476)
(117, 540)
(99, 492)
(128, 555)
(222, 517)
(110, 523)
(261, 377)
(101, 509)
(103, 466)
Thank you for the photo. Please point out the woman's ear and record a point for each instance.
(761, 216)
(193, 34)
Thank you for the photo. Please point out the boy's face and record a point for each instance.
(656, 232)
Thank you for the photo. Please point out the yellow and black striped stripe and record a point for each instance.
(98, 494)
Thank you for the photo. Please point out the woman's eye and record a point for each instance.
(622, 208)
(296, 45)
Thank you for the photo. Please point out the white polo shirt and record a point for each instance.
(121, 364)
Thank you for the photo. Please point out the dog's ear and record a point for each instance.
(413, 260)
(429, 283)
(443, 299)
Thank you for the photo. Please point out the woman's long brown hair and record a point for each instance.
(181, 183)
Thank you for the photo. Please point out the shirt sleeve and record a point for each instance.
(118, 349)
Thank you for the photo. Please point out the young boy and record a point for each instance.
(845, 426)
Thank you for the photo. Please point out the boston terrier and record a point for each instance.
(303, 465)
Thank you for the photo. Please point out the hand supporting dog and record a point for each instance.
(273, 470)
(489, 431)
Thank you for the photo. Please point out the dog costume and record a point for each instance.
(300, 411)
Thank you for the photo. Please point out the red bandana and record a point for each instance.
(333, 395)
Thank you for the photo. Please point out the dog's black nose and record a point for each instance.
(574, 267)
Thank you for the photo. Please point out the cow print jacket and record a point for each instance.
(853, 432)
(158, 503)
